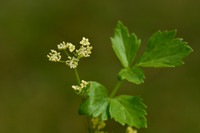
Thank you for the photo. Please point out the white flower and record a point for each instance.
(71, 47)
(83, 84)
(72, 62)
(130, 130)
(77, 88)
(54, 56)
(62, 46)
(84, 51)
(85, 42)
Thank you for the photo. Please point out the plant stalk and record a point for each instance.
(88, 118)
(89, 125)
(77, 76)
(66, 53)
(114, 91)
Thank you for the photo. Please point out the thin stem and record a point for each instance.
(88, 118)
(77, 76)
(74, 53)
(62, 61)
(89, 124)
(114, 91)
(66, 53)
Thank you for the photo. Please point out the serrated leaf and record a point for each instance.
(125, 46)
(134, 75)
(128, 110)
(97, 103)
(164, 50)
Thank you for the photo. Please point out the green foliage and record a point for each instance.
(125, 45)
(164, 50)
(128, 110)
(134, 75)
(124, 109)
(97, 103)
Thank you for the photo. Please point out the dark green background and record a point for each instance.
(36, 95)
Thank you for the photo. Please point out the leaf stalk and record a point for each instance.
(114, 91)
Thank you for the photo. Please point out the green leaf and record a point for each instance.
(164, 50)
(97, 103)
(128, 110)
(125, 45)
(134, 75)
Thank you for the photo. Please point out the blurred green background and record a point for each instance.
(36, 95)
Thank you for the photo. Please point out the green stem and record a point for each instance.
(89, 125)
(74, 53)
(62, 61)
(114, 91)
(66, 53)
(88, 118)
(77, 76)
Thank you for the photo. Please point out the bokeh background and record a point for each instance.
(36, 95)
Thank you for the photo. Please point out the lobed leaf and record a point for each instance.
(134, 75)
(124, 109)
(97, 102)
(128, 110)
(125, 46)
(164, 50)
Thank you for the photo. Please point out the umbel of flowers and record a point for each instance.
(77, 54)
(73, 57)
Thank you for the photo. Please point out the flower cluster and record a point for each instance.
(130, 130)
(79, 88)
(71, 47)
(85, 42)
(98, 125)
(72, 62)
(54, 56)
(64, 46)
(85, 49)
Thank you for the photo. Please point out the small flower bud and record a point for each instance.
(62, 46)
(72, 62)
(85, 42)
(130, 130)
(71, 47)
(54, 56)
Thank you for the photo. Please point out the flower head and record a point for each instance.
(85, 42)
(77, 88)
(72, 62)
(54, 56)
(84, 51)
(98, 124)
(130, 130)
(80, 88)
(62, 46)
(83, 84)
(71, 47)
